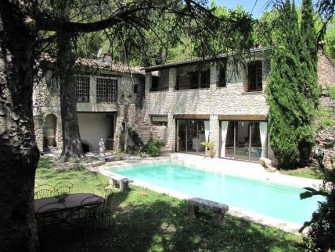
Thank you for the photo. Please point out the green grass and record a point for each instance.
(143, 220)
(306, 172)
(83, 180)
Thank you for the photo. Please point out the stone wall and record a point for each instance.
(213, 101)
(326, 71)
(46, 102)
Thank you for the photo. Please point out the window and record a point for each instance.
(222, 79)
(255, 76)
(136, 88)
(205, 79)
(154, 84)
(159, 120)
(83, 88)
(106, 90)
(193, 77)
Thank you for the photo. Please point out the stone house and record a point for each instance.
(107, 97)
(182, 104)
(212, 100)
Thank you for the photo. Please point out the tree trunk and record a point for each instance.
(68, 100)
(18, 151)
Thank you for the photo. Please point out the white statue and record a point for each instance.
(101, 148)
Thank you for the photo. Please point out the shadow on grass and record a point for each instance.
(147, 221)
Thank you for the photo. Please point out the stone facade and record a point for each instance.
(118, 113)
(230, 102)
(211, 102)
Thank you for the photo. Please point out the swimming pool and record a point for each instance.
(262, 197)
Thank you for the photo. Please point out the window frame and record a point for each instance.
(255, 76)
(222, 74)
(110, 90)
(82, 85)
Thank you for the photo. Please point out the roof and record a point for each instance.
(200, 60)
(107, 65)
(115, 67)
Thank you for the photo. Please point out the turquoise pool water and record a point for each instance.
(263, 197)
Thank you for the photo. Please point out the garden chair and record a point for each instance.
(44, 191)
(90, 214)
(63, 187)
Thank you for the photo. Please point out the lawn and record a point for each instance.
(143, 220)
(306, 172)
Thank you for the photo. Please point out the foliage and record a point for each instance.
(306, 172)
(144, 220)
(264, 33)
(331, 92)
(291, 103)
(152, 148)
(137, 143)
(321, 228)
(209, 145)
(324, 117)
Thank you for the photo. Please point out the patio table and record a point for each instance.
(67, 206)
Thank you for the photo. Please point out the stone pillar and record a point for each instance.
(148, 83)
(172, 79)
(59, 132)
(93, 90)
(171, 133)
(214, 129)
(131, 115)
(213, 75)
(146, 104)
(38, 124)
(119, 130)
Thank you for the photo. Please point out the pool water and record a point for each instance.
(263, 197)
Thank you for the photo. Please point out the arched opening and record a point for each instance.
(49, 131)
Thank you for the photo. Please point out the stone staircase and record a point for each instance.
(146, 130)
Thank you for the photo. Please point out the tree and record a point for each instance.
(289, 115)
(308, 84)
(18, 151)
(19, 23)
(321, 228)
(162, 23)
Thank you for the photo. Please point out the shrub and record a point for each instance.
(154, 148)
(209, 145)
(136, 142)
(321, 228)
(331, 92)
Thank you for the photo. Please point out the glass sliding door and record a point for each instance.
(190, 135)
(181, 140)
(230, 140)
(243, 140)
(256, 146)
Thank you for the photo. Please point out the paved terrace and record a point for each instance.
(239, 168)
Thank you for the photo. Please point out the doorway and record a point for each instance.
(190, 135)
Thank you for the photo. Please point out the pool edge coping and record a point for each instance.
(240, 213)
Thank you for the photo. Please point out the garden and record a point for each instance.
(143, 220)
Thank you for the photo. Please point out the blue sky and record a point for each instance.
(256, 7)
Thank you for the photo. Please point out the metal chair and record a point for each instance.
(63, 187)
(44, 191)
(50, 213)
(90, 214)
